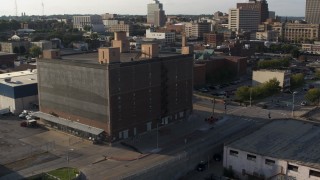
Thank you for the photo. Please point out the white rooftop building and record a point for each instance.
(18, 91)
(167, 37)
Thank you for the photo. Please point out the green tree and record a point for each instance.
(22, 50)
(87, 28)
(296, 80)
(35, 51)
(271, 87)
(317, 74)
(263, 90)
(274, 64)
(16, 50)
(313, 95)
(295, 53)
(243, 93)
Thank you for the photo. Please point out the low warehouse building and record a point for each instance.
(283, 149)
(18, 91)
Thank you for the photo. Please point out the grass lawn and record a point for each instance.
(64, 173)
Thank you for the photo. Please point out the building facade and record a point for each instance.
(108, 16)
(267, 36)
(313, 11)
(256, 5)
(213, 39)
(156, 15)
(167, 37)
(117, 93)
(121, 26)
(262, 76)
(18, 91)
(297, 32)
(14, 46)
(44, 45)
(311, 48)
(241, 20)
(7, 59)
(79, 22)
(197, 30)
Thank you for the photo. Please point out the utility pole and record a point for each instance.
(157, 135)
(213, 105)
(42, 8)
(293, 94)
(250, 96)
(16, 7)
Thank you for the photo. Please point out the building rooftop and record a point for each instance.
(5, 53)
(19, 78)
(273, 70)
(291, 140)
(92, 58)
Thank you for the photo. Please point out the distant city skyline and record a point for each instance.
(139, 7)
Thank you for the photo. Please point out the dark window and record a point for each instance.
(234, 153)
(314, 173)
(270, 162)
(292, 168)
(251, 157)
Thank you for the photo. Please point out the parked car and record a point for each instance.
(204, 90)
(217, 157)
(201, 166)
(303, 103)
(22, 115)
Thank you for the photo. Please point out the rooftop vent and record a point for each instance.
(7, 79)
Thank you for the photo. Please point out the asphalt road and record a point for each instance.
(123, 162)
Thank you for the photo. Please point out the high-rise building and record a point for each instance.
(156, 14)
(257, 5)
(243, 20)
(313, 11)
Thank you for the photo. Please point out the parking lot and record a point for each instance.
(225, 90)
(13, 149)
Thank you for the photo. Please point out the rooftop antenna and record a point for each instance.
(42, 4)
(16, 7)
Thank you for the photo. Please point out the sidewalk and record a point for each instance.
(173, 134)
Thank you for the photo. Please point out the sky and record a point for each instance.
(139, 7)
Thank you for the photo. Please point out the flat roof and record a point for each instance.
(19, 78)
(124, 57)
(69, 123)
(5, 53)
(291, 140)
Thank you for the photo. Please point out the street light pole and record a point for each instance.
(293, 102)
(157, 135)
(213, 105)
(250, 96)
